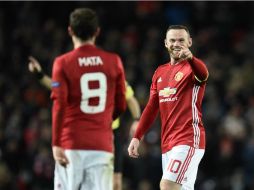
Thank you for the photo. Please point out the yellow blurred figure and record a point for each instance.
(129, 94)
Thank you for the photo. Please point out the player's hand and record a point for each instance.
(185, 53)
(34, 65)
(133, 128)
(133, 148)
(59, 156)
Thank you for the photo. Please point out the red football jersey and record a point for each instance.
(177, 95)
(88, 90)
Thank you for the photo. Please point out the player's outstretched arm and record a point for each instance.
(35, 68)
(198, 66)
(133, 148)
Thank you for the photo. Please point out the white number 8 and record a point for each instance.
(87, 93)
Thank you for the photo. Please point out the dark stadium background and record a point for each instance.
(223, 34)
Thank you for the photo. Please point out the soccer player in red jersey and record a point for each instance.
(132, 104)
(88, 92)
(177, 91)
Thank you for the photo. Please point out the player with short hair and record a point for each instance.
(177, 92)
(132, 103)
(88, 91)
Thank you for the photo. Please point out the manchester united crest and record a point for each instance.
(178, 76)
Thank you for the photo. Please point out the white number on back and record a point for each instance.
(87, 93)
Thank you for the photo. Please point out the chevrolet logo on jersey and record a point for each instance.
(166, 92)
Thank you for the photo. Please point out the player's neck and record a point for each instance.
(78, 43)
(175, 61)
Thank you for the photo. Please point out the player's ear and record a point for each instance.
(190, 42)
(70, 31)
(98, 30)
(166, 44)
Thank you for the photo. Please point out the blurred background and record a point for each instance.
(223, 36)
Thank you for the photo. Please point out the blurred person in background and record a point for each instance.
(5, 177)
(132, 103)
(88, 91)
(177, 91)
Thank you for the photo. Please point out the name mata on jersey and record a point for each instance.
(90, 61)
(84, 61)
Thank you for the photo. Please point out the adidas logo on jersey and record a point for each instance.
(159, 80)
(90, 61)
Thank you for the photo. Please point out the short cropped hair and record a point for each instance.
(178, 27)
(84, 23)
